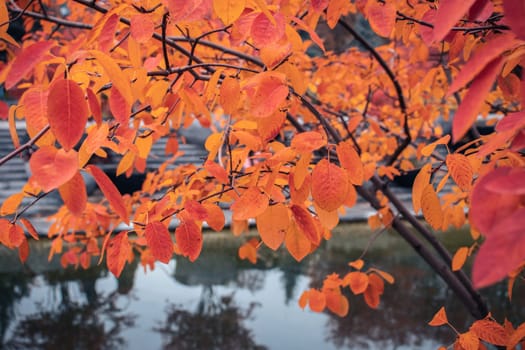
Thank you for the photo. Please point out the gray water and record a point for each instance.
(221, 302)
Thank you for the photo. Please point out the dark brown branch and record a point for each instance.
(395, 82)
(23, 147)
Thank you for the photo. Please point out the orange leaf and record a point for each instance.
(30, 228)
(491, 50)
(469, 341)
(350, 160)
(305, 223)
(35, 110)
(357, 264)
(26, 60)
(229, 10)
(217, 172)
(329, 185)
(337, 303)
(118, 251)
(67, 112)
(297, 244)
(328, 219)
(357, 281)
(431, 207)
(215, 216)
(516, 336)
(316, 300)
(250, 204)
(230, 94)
(189, 239)
(110, 192)
(74, 194)
(490, 331)
(448, 14)
(474, 99)
(459, 259)
(267, 92)
(142, 27)
(382, 17)
(272, 225)
(159, 241)
(461, 170)
(11, 204)
(308, 141)
(440, 318)
(51, 168)
(248, 251)
(421, 181)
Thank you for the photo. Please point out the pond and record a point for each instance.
(221, 302)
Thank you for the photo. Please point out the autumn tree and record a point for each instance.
(296, 136)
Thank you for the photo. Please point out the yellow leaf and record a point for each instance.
(431, 207)
(460, 169)
(229, 10)
(422, 180)
(428, 149)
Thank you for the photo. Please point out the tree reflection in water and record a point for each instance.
(86, 321)
(72, 326)
(217, 323)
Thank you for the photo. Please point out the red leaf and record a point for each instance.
(473, 101)
(196, 210)
(502, 252)
(319, 5)
(189, 239)
(189, 10)
(94, 106)
(51, 168)
(16, 235)
(119, 107)
(481, 58)
(23, 251)
(488, 207)
(267, 92)
(382, 17)
(142, 27)
(117, 253)
(25, 61)
(106, 36)
(514, 14)
(448, 14)
(264, 32)
(110, 192)
(159, 241)
(67, 112)
(74, 194)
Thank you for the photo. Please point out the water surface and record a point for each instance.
(220, 302)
